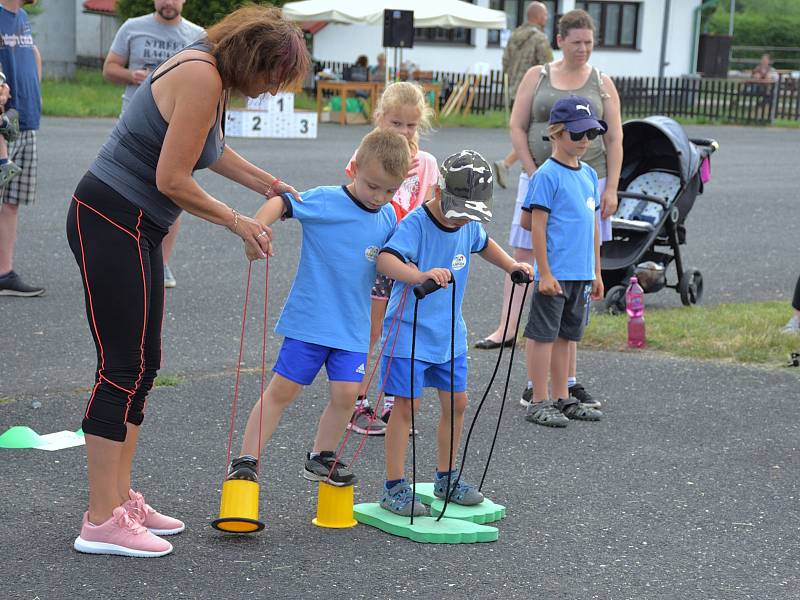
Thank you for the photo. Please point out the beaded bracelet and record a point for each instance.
(235, 219)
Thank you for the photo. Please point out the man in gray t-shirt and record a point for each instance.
(144, 42)
(141, 44)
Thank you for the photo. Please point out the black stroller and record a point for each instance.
(663, 171)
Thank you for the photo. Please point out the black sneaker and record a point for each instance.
(244, 467)
(578, 392)
(527, 397)
(318, 468)
(12, 285)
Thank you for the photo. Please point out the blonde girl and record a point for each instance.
(401, 108)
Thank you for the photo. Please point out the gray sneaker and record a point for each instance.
(9, 125)
(793, 326)
(573, 409)
(463, 493)
(318, 468)
(398, 500)
(545, 413)
(501, 173)
(8, 171)
(169, 278)
(11, 284)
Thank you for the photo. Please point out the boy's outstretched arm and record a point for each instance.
(272, 210)
(494, 254)
(392, 266)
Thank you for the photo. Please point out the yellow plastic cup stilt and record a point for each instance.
(334, 506)
(238, 507)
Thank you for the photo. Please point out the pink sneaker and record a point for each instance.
(119, 535)
(147, 516)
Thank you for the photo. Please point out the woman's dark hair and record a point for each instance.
(256, 40)
(362, 61)
(575, 19)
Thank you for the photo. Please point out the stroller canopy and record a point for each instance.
(660, 140)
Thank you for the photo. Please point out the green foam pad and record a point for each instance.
(20, 436)
(485, 512)
(425, 529)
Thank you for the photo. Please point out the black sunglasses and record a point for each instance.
(577, 136)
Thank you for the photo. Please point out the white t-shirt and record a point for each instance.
(146, 43)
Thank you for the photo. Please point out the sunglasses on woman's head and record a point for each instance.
(577, 136)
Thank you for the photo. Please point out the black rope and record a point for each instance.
(452, 401)
(489, 387)
(508, 376)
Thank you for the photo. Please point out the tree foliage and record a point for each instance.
(203, 12)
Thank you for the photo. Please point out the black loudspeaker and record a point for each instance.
(398, 28)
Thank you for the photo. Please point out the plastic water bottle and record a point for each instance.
(634, 305)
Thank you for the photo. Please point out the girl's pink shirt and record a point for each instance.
(414, 189)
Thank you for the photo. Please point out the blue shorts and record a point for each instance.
(435, 375)
(301, 361)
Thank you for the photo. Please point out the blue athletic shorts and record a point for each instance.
(301, 361)
(435, 375)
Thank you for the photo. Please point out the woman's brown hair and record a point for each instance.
(256, 40)
(574, 19)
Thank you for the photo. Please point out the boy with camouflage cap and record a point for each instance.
(435, 241)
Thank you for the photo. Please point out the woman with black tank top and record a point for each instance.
(121, 209)
(540, 88)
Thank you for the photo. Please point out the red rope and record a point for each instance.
(238, 366)
(263, 364)
(399, 311)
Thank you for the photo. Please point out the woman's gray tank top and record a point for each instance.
(543, 100)
(127, 161)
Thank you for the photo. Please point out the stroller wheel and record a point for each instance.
(690, 287)
(614, 302)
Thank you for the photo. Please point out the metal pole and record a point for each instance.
(664, 33)
(732, 9)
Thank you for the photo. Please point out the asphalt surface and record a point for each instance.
(687, 489)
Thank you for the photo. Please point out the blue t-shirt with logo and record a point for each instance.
(422, 240)
(18, 61)
(571, 196)
(329, 303)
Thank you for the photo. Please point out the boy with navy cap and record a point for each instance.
(435, 241)
(560, 207)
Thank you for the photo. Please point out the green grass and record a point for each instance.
(6, 400)
(167, 380)
(88, 95)
(742, 333)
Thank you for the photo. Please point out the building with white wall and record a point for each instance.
(629, 38)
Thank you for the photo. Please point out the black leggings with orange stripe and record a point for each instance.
(118, 251)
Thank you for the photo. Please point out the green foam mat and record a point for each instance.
(485, 512)
(425, 529)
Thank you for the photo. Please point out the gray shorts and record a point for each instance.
(559, 316)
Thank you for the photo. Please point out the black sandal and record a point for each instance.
(573, 409)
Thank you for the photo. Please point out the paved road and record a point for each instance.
(688, 489)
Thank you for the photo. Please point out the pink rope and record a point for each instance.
(263, 364)
(238, 366)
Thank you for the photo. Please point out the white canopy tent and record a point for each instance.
(427, 13)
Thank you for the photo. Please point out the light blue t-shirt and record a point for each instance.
(329, 303)
(422, 240)
(571, 196)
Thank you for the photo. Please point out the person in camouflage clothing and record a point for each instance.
(527, 47)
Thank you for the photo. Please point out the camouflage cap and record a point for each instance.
(466, 182)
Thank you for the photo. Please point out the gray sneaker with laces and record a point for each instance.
(318, 468)
(460, 493)
(545, 413)
(398, 500)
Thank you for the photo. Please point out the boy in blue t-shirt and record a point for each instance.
(326, 317)
(435, 241)
(562, 200)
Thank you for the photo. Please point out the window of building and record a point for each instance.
(515, 16)
(457, 36)
(617, 23)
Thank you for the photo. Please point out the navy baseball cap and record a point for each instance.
(577, 114)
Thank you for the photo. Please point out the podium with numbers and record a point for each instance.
(271, 116)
